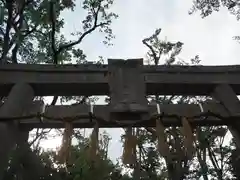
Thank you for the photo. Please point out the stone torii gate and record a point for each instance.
(126, 82)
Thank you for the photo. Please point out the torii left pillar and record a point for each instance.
(18, 101)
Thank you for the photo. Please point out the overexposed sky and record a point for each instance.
(210, 38)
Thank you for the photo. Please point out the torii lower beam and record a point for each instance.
(102, 111)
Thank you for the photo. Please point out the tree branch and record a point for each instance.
(156, 59)
(1, 31)
(39, 136)
(53, 32)
(66, 46)
(8, 28)
(13, 40)
(17, 28)
(95, 26)
(17, 34)
(71, 44)
(53, 41)
(28, 32)
(154, 54)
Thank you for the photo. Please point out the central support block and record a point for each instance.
(127, 89)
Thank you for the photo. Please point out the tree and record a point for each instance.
(148, 164)
(207, 7)
(30, 32)
(81, 166)
(210, 156)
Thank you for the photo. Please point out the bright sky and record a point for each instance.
(210, 38)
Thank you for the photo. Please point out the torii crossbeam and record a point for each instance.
(127, 83)
(91, 79)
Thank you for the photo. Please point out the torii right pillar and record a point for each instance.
(226, 95)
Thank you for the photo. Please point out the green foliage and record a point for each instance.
(207, 7)
(212, 154)
(80, 167)
(159, 49)
(31, 33)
